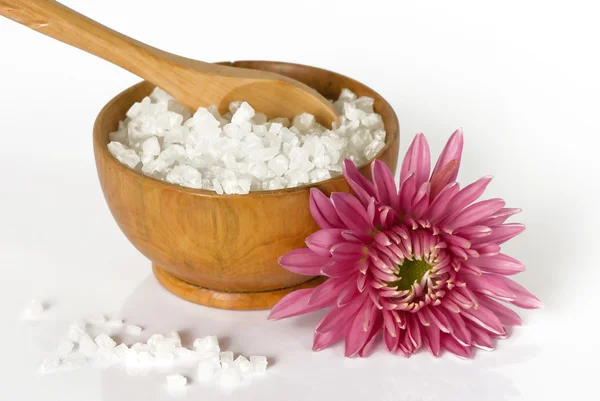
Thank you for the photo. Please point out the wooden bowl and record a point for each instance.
(222, 250)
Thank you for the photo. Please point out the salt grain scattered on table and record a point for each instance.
(176, 381)
(259, 363)
(241, 151)
(161, 352)
(243, 364)
(104, 341)
(133, 330)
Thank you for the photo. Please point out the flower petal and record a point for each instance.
(501, 234)
(328, 291)
(414, 332)
(439, 205)
(450, 344)
(444, 177)
(451, 152)
(352, 213)
(498, 264)
(524, 298)
(432, 338)
(421, 200)
(322, 210)
(459, 329)
(465, 197)
(321, 241)
(373, 335)
(479, 337)
(500, 216)
(349, 252)
(507, 316)
(484, 318)
(303, 261)
(490, 285)
(324, 340)
(339, 316)
(476, 212)
(385, 186)
(293, 304)
(359, 329)
(339, 269)
(406, 193)
(417, 160)
(363, 188)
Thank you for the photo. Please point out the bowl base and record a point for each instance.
(227, 300)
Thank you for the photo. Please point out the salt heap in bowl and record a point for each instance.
(242, 151)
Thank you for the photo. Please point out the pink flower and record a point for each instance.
(421, 264)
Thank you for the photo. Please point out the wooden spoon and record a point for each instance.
(193, 83)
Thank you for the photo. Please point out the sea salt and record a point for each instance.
(75, 331)
(161, 353)
(133, 330)
(64, 348)
(104, 341)
(226, 359)
(176, 381)
(87, 346)
(242, 151)
(259, 363)
(243, 364)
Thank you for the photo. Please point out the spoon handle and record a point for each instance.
(66, 25)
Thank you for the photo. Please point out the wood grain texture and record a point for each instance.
(227, 300)
(193, 83)
(225, 243)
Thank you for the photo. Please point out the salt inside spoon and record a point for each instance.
(193, 83)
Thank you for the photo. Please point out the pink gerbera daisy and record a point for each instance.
(421, 264)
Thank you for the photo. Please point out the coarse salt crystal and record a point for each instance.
(64, 348)
(259, 363)
(241, 151)
(121, 351)
(87, 346)
(243, 364)
(104, 341)
(176, 381)
(133, 330)
(75, 331)
(243, 114)
(151, 147)
(226, 359)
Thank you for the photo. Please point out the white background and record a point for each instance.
(521, 78)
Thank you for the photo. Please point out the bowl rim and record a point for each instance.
(391, 137)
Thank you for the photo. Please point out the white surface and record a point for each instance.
(522, 80)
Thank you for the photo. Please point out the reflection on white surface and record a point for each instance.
(295, 372)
